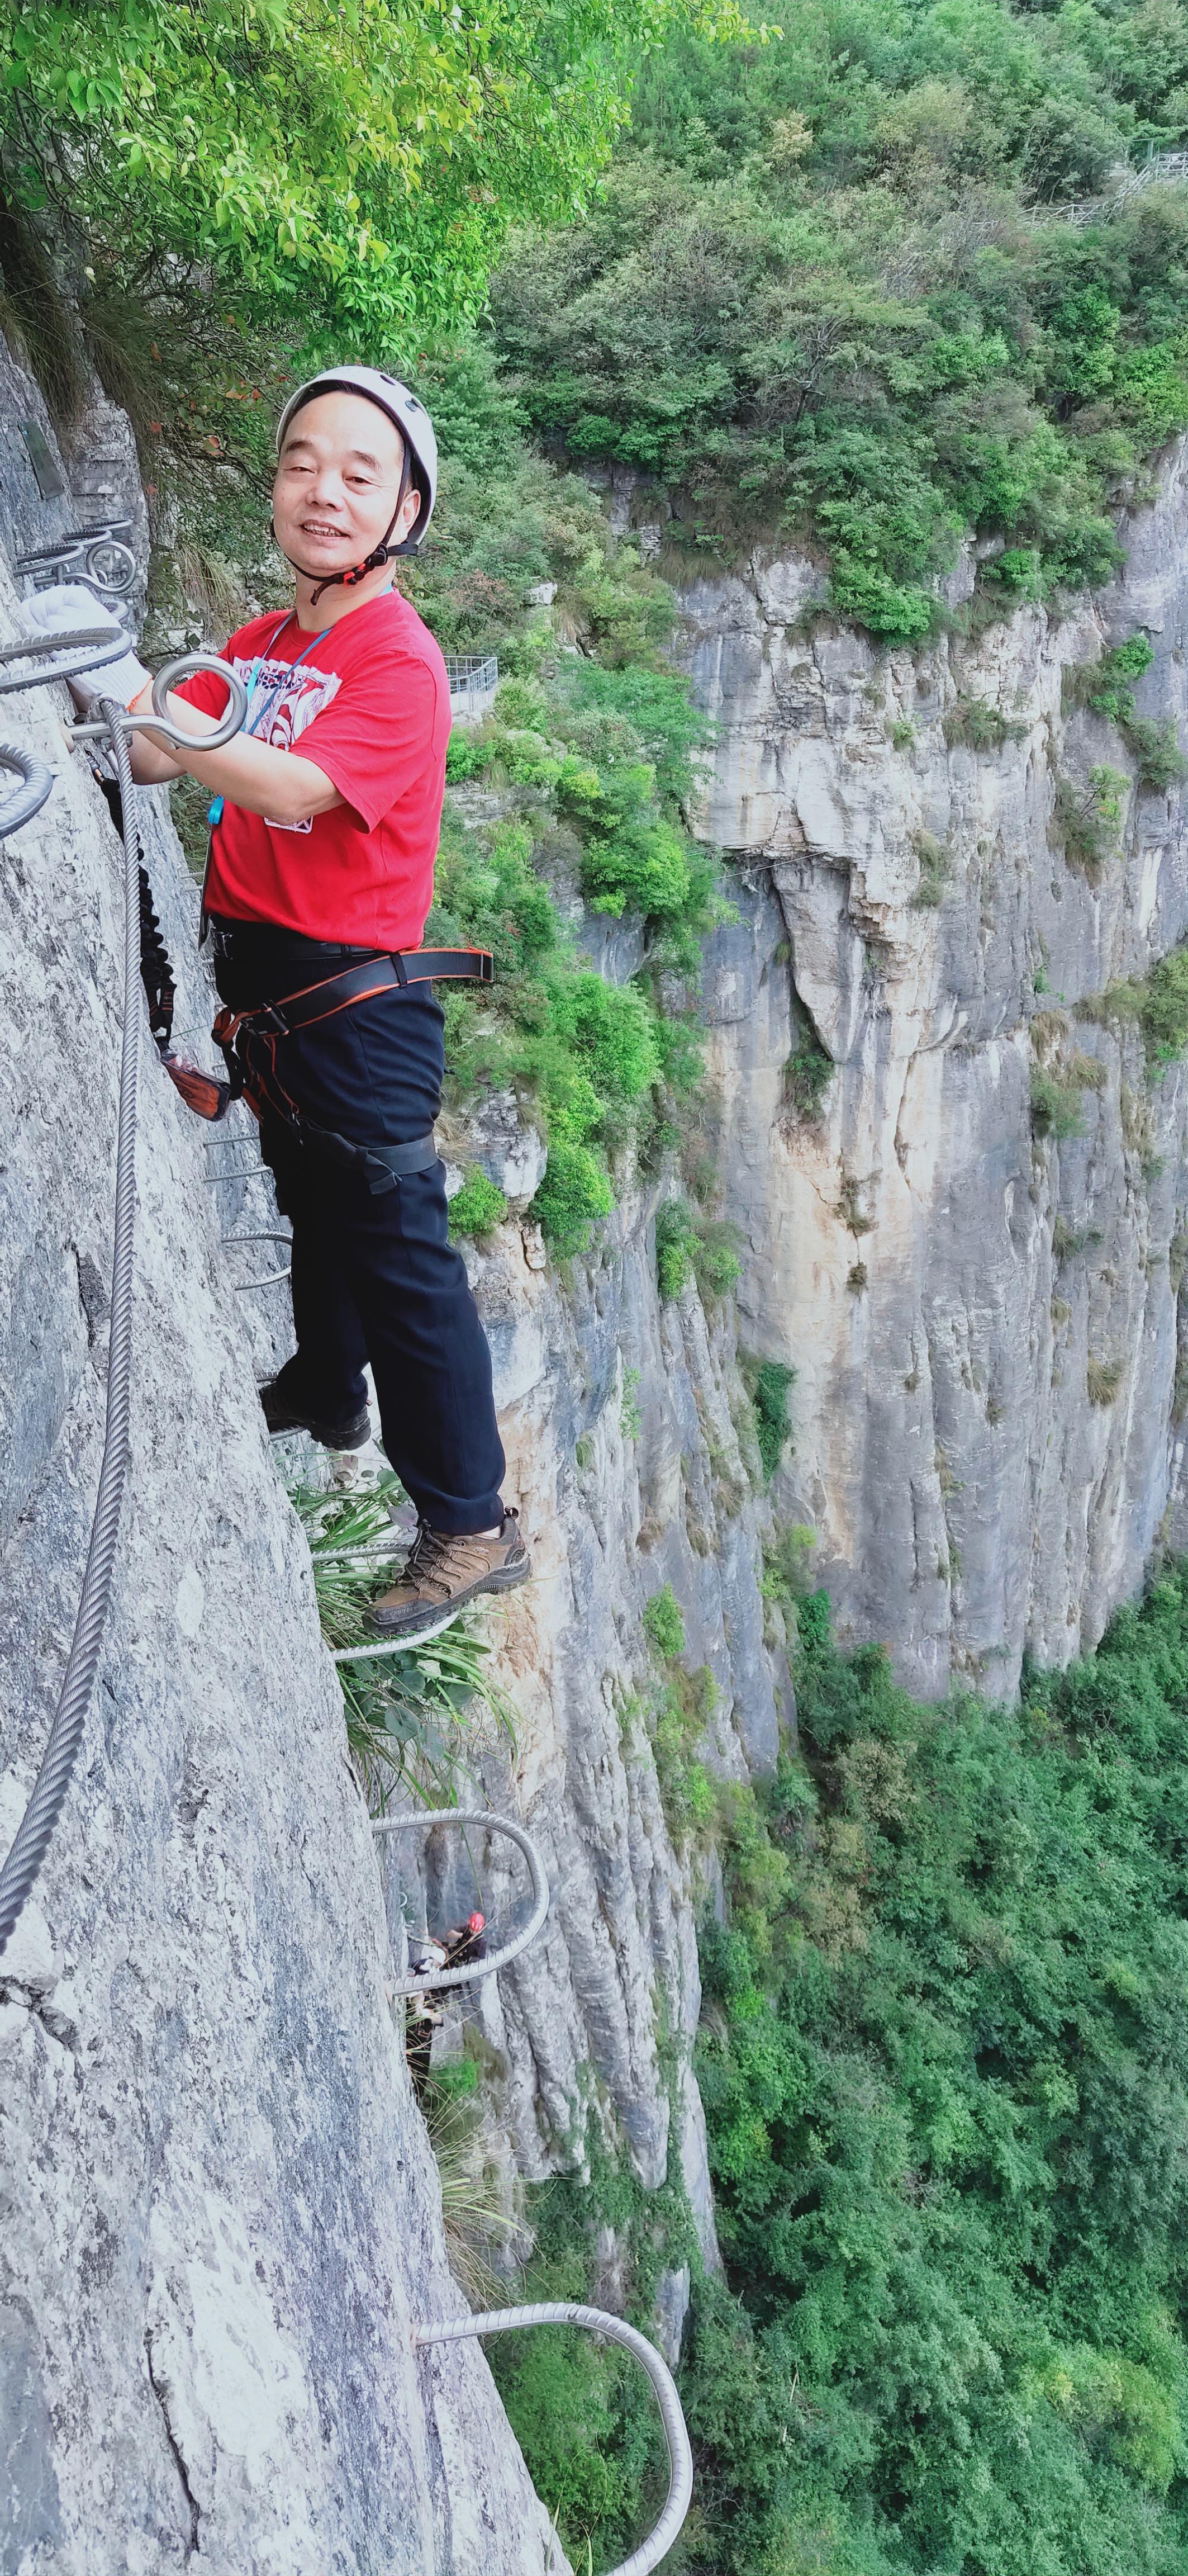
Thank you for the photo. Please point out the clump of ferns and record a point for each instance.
(419, 1718)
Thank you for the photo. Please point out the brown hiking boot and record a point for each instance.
(443, 1573)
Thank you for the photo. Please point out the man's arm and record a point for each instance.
(252, 774)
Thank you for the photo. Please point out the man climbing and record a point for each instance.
(466, 1943)
(324, 831)
(461, 1947)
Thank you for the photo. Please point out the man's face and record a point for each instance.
(336, 483)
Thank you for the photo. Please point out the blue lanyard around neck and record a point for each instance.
(214, 811)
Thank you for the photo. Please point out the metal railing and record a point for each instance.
(425, 1819)
(557, 2312)
(473, 672)
(1159, 167)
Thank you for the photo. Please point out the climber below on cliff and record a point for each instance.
(324, 827)
(461, 1947)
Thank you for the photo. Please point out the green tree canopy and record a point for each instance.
(359, 161)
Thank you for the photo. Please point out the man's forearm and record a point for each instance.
(247, 773)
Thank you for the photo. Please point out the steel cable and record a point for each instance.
(23, 1861)
(595, 2321)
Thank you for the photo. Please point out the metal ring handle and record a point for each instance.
(233, 714)
(124, 577)
(556, 2312)
(23, 802)
(182, 668)
(496, 1959)
(95, 644)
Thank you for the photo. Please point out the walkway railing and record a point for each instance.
(473, 679)
(1158, 169)
(596, 2321)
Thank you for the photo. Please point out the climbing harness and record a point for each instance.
(22, 1863)
(424, 1819)
(381, 1165)
(559, 2312)
(204, 1093)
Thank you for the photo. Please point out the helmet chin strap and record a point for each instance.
(380, 554)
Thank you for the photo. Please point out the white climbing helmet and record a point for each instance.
(411, 419)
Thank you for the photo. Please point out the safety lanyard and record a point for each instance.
(214, 811)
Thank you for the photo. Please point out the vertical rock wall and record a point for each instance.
(219, 2215)
(984, 1319)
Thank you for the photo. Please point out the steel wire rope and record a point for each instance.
(558, 2312)
(22, 1862)
(426, 1818)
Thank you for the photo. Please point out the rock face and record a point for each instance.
(221, 2218)
(984, 1317)
(624, 1454)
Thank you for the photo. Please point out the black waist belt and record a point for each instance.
(384, 974)
(381, 1166)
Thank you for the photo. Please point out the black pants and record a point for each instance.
(375, 1277)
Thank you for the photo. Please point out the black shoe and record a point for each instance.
(280, 1416)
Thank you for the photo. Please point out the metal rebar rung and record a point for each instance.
(424, 1821)
(435, 1627)
(22, 803)
(557, 2312)
(89, 648)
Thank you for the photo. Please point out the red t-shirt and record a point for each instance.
(369, 703)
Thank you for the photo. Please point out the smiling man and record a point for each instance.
(320, 876)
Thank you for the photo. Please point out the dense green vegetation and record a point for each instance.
(809, 294)
(583, 771)
(943, 2060)
(351, 169)
(1159, 1004)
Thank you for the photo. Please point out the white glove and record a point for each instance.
(68, 608)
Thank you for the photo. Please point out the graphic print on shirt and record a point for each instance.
(284, 697)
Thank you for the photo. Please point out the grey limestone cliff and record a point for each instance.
(221, 2211)
(220, 2215)
(985, 1317)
